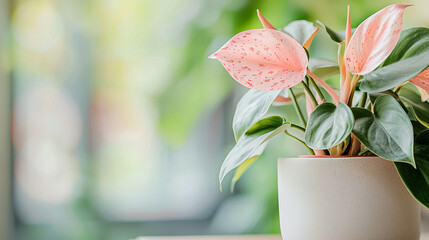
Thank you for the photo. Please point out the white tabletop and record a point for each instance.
(425, 236)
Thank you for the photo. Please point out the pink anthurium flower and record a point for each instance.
(264, 59)
(267, 25)
(422, 83)
(374, 40)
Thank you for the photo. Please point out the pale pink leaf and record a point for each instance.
(374, 40)
(264, 59)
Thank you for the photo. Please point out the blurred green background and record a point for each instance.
(119, 122)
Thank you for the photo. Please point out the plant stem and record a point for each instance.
(299, 140)
(297, 127)
(363, 152)
(328, 88)
(317, 88)
(355, 146)
(355, 80)
(363, 99)
(307, 89)
(297, 108)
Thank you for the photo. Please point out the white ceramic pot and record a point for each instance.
(353, 198)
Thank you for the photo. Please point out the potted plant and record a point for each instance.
(368, 142)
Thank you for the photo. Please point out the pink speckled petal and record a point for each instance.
(422, 82)
(374, 40)
(264, 59)
(264, 21)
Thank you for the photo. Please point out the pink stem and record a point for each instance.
(319, 152)
(346, 85)
(345, 89)
(328, 88)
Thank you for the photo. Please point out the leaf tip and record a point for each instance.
(405, 5)
(232, 185)
(264, 21)
(213, 56)
(413, 161)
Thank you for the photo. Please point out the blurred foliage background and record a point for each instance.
(120, 122)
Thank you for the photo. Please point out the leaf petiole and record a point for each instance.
(317, 88)
(363, 99)
(310, 93)
(328, 88)
(297, 108)
(299, 140)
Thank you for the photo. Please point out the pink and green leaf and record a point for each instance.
(409, 61)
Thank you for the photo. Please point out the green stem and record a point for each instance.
(368, 105)
(297, 108)
(299, 140)
(307, 89)
(317, 88)
(297, 127)
(363, 99)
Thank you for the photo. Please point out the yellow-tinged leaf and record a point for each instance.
(241, 169)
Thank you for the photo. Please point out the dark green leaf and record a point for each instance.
(388, 132)
(413, 41)
(375, 95)
(249, 146)
(420, 109)
(328, 125)
(417, 127)
(392, 75)
(250, 109)
(265, 125)
(417, 180)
